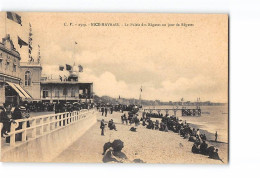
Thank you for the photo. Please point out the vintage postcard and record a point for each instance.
(114, 87)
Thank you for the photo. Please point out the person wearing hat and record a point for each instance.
(5, 119)
(17, 114)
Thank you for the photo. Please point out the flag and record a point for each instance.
(21, 42)
(80, 68)
(14, 17)
(39, 54)
(61, 67)
(68, 67)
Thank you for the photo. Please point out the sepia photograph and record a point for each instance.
(114, 87)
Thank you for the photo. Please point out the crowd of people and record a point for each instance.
(171, 123)
(8, 115)
(174, 124)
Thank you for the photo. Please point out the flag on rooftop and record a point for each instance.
(21, 42)
(68, 67)
(14, 17)
(80, 68)
(61, 67)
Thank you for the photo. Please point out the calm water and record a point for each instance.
(213, 118)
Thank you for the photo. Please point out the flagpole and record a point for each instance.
(73, 54)
(5, 23)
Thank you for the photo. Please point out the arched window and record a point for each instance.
(27, 78)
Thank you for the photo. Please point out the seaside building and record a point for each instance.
(23, 81)
(66, 90)
(31, 76)
(11, 83)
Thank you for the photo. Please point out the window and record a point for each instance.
(57, 93)
(7, 65)
(27, 78)
(45, 93)
(1, 62)
(65, 92)
(14, 67)
(72, 93)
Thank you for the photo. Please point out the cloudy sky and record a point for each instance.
(169, 62)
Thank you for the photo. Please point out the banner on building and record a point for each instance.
(80, 68)
(68, 67)
(61, 67)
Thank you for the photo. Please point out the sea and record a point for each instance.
(212, 119)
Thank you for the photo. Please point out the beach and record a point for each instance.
(150, 146)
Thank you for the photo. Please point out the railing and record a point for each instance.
(42, 125)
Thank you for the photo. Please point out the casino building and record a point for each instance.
(23, 81)
(66, 90)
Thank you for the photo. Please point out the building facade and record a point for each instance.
(66, 91)
(23, 81)
(11, 90)
(31, 78)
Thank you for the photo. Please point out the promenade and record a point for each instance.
(151, 146)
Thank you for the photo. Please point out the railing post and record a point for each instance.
(51, 124)
(41, 126)
(68, 118)
(48, 126)
(59, 117)
(12, 136)
(34, 128)
(24, 133)
(64, 119)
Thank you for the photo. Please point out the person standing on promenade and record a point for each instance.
(102, 126)
(216, 136)
(4, 120)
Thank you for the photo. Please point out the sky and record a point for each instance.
(169, 63)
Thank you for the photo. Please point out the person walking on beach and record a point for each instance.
(216, 136)
(102, 126)
(106, 112)
(102, 110)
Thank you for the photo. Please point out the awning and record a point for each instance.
(27, 95)
(21, 92)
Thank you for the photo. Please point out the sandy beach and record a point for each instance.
(151, 146)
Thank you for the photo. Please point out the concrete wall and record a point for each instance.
(47, 147)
